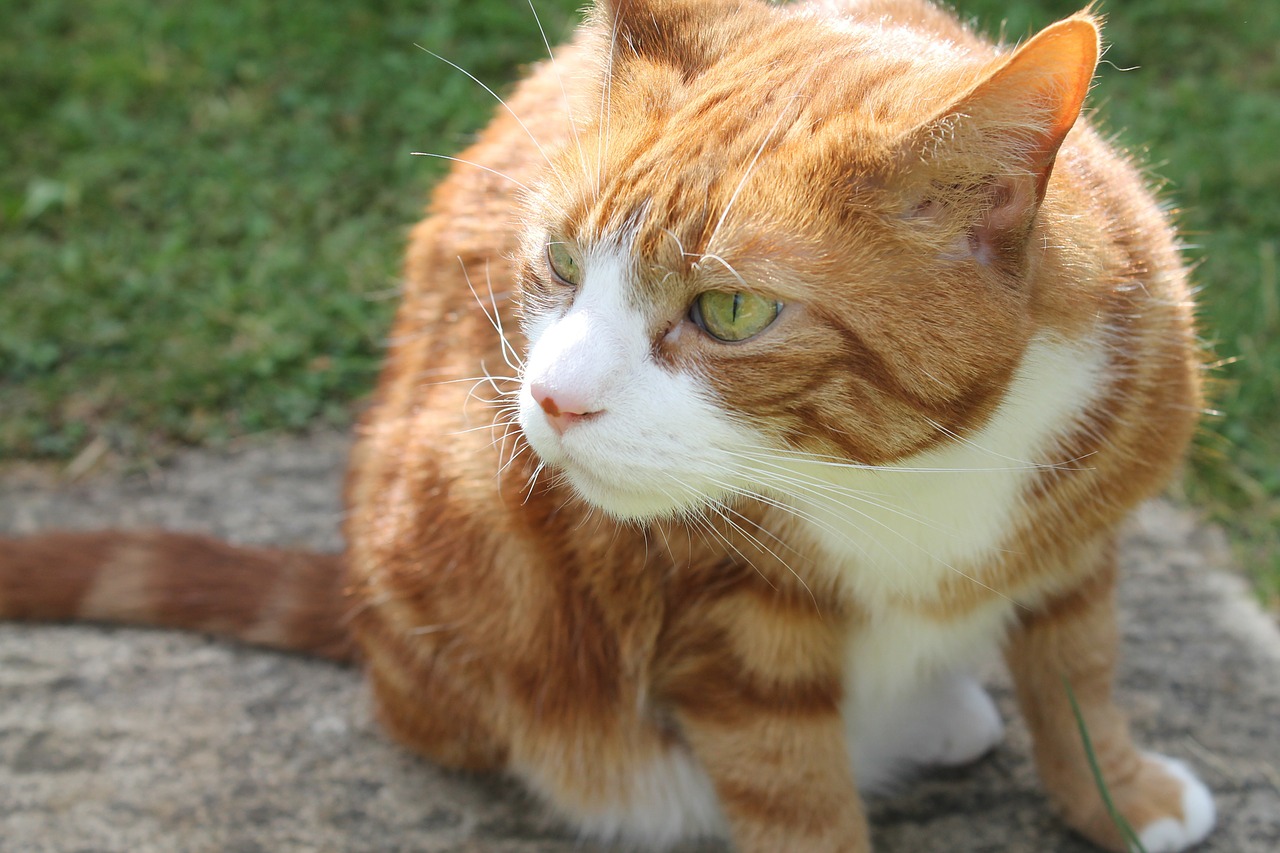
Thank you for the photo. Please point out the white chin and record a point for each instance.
(627, 504)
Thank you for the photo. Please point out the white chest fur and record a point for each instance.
(895, 532)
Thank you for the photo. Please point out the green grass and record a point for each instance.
(202, 206)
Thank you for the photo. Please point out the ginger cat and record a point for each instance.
(839, 347)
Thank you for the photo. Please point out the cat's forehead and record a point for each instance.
(705, 161)
(694, 183)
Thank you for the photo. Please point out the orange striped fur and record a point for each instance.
(282, 599)
(667, 580)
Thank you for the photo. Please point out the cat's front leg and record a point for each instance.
(1068, 647)
(758, 696)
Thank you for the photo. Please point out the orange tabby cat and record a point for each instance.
(839, 347)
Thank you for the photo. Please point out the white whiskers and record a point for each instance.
(473, 163)
(496, 96)
(568, 106)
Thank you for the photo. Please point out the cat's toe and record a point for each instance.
(1195, 821)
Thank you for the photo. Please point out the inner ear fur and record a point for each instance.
(999, 141)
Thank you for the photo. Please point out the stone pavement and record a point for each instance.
(135, 741)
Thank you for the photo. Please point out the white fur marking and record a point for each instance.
(897, 685)
(950, 721)
(943, 512)
(949, 509)
(657, 444)
(1170, 835)
(658, 805)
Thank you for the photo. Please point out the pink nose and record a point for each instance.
(564, 412)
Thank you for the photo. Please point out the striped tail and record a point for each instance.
(283, 599)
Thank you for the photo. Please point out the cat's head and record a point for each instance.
(780, 231)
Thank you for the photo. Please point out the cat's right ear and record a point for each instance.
(998, 142)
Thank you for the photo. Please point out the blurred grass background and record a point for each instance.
(203, 204)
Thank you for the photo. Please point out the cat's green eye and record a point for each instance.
(734, 316)
(564, 264)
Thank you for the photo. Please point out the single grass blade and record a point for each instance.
(1126, 831)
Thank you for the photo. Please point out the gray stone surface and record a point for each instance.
(117, 739)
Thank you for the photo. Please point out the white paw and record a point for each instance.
(1169, 835)
(960, 725)
(949, 721)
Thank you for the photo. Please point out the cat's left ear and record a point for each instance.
(1002, 138)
